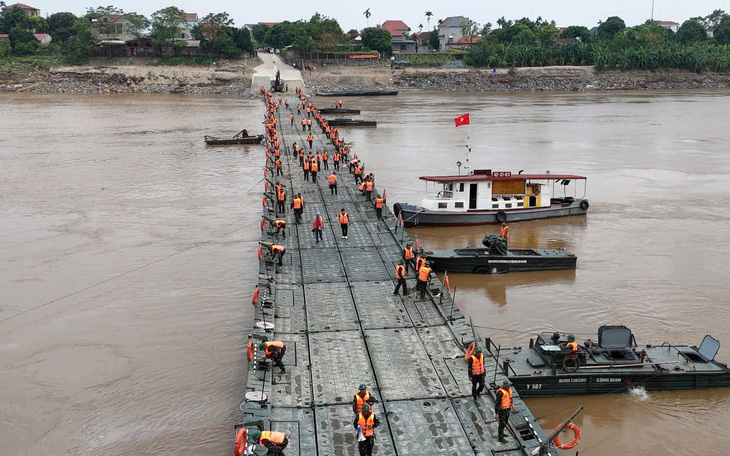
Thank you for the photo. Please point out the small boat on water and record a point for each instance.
(614, 362)
(487, 196)
(241, 137)
(496, 258)
(346, 122)
(339, 111)
(357, 93)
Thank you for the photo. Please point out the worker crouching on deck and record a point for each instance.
(476, 371)
(366, 422)
(274, 442)
(274, 350)
(277, 250)
(502, 408)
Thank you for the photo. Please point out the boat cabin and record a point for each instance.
(487, 190)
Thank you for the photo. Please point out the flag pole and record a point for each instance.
(468, 148)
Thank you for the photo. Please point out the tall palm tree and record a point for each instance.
(428, 19)
(2, 4)
(367, 16)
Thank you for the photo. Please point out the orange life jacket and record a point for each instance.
(379, 202)
(477, 364)
(276, 344)
(314, 166)
(360, 401)
(506, 403)
(306, 165)
(408, 253)
(281, 196)
(504, 232)
(420, 261)
(333, 179)
(400, 272)
(423, 273)
(297, 203)
(271, 436)
(336, 157)
(367, 425)
(325, 156)
(357, 170)
(369, 186)
(344, 218)
(277, 248)
(279, 223)
(573, 346)
(278, 163)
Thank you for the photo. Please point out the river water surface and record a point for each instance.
(128, 258)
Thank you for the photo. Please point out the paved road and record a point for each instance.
(266, 72)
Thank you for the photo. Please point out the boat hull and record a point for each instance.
(499, 264)
(415, 216)
(357, 93)
(339, 111)
(351, 123)
(602, 383)
(232, 141)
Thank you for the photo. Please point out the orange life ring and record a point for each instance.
(263, 201)
(241, 440)
(262, 224)
(576, 438)
(261, 253)
(249, 351)
(469, 351)
(255, 297)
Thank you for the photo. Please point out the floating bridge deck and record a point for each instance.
(333, 306)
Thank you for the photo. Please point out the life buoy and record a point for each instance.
(249, 351)
(501, 216)
(241, 440)
(576, 438)
(261, 253)
(584, 205)
(571, 364)
(255, 297)
(469, 351)
(266, 172)
(263, 201)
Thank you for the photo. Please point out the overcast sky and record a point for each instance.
(564, 12)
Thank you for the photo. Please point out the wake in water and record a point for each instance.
(639, 392)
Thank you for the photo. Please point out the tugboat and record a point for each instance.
(496, 258)
(549, 367)
(487, 196)
(241, 137)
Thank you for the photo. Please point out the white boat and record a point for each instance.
(487, 196)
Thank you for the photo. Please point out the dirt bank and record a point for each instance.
(520, 79)
(134, 76)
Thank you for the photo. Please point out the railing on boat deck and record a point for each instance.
(689, 361)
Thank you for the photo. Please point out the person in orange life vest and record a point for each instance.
(476, 371)
(299, 109)
(333, 182)
(408, 255)
(274, 350)
(361, 398)
(366, 421)
(309, 125)
(314, 167)
(301, 157)
(344, 220)
(278, 167)
(420, 261)
(305, 167)
(572, 345)
(281, 201)
(304, 124)
(379, 201)
(369, 189)
(325, 157)
(502, 408)
(358, 173)
(310, 140)
(336, 161)
(424, 274)
(280, 225)
(274, 442)
(298, 205)
(286, 104)
(277, 250)
(400, 276)
(504, 231)
(291, 118)
(295, 149)
(309, 112)
(317, 227)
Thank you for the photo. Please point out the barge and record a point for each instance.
(357, 93)
(496, 258)
(241, 137)
(614, 363)
(346, 122)
(339, 111)
(487, 196)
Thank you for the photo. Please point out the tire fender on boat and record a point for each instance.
(469, 351)
(576, 438)
(249, 351)
(585, 205)
(241, 440)
(501, 216)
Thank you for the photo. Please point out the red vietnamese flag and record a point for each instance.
(462, 120)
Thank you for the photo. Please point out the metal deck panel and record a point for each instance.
(322, 265)
(330, 307)
(337, 437)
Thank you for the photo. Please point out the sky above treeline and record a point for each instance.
(350, 14)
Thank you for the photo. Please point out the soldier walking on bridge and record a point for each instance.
(400, 275)
(333, 182)
(344, 220)
(424, 274)
(503, 406)
(476, 371)
(365, 423)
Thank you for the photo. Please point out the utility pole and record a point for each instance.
(652, 10)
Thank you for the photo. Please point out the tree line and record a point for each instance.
(700, 43)
(72, 36)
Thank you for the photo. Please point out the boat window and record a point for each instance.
(449, 187)
(495, 206)
(461, 187)
(443, 205)
(459, 204)
(518, 197)
(506, 198)
(520, 204)
(508, 205)
(494, 198)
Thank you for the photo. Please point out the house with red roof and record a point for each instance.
(29, 10)
(669, 25)
(399, 36)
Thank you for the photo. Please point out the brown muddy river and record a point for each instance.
(127, 255)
